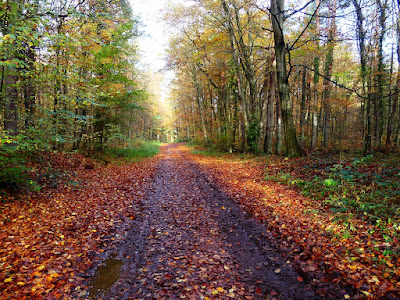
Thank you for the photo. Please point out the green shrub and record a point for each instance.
(330, 183)
(15, 152)
(136, 151)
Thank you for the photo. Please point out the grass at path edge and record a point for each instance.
(136, 152)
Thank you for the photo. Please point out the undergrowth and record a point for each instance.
(134, 152)
(15, 153)
(207, 152)
(368, 187)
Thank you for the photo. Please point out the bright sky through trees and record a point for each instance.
(155, 39)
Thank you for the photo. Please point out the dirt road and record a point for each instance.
(192, 242)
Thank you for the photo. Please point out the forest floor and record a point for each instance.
(188, 226)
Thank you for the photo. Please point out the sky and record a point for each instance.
(154, 41)
(155, 38)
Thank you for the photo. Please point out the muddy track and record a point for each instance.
(192, 242)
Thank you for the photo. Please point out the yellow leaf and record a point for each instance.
(41, 267)
(20, 283)
(214, 292)
(9, 279)
(220, 289)
(346, 296)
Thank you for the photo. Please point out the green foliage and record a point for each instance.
(136, 151)
(12, 169)
(207, 152)
(358, 186)
(330, 183)
(15, 151)
(253, 136)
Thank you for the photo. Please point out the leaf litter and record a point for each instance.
(352, 252)
(173, 222)
(49, 239)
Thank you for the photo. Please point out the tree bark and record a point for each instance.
(326, 94)
(270, 116)
(199, 99)
(303, 103)
(316, 62)
(291, 143)
(379, 79)
(366, 117)
(240, 77)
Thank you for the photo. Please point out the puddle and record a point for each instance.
(106, 275)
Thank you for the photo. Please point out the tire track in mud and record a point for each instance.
(193, 242)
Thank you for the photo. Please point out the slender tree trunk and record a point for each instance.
(291, 143)
(263, 112)
(303, 103)
(326, 94)
(366, 117)
(29, 91)
(270, 116)
(395, 108)
(200, 99)
(11, 77)
(2, 93)
(391, 106)
(316, 62)
(396, 97)
(240, 78)
(379, 80)
(11, 104)
(278, 148)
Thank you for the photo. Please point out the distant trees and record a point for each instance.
(253, 74)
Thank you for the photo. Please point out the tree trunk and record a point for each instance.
(392, 118)
(391, 106)
(303, 104)
(270, 116)
(263, 112)
(291, 143)
(379, 79)
(314, 131)
(199, 99)
(366, 118)
(278, 148)
(240, 77)
(326, 94)
(11, 104)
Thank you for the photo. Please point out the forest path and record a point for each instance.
(193, 242)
